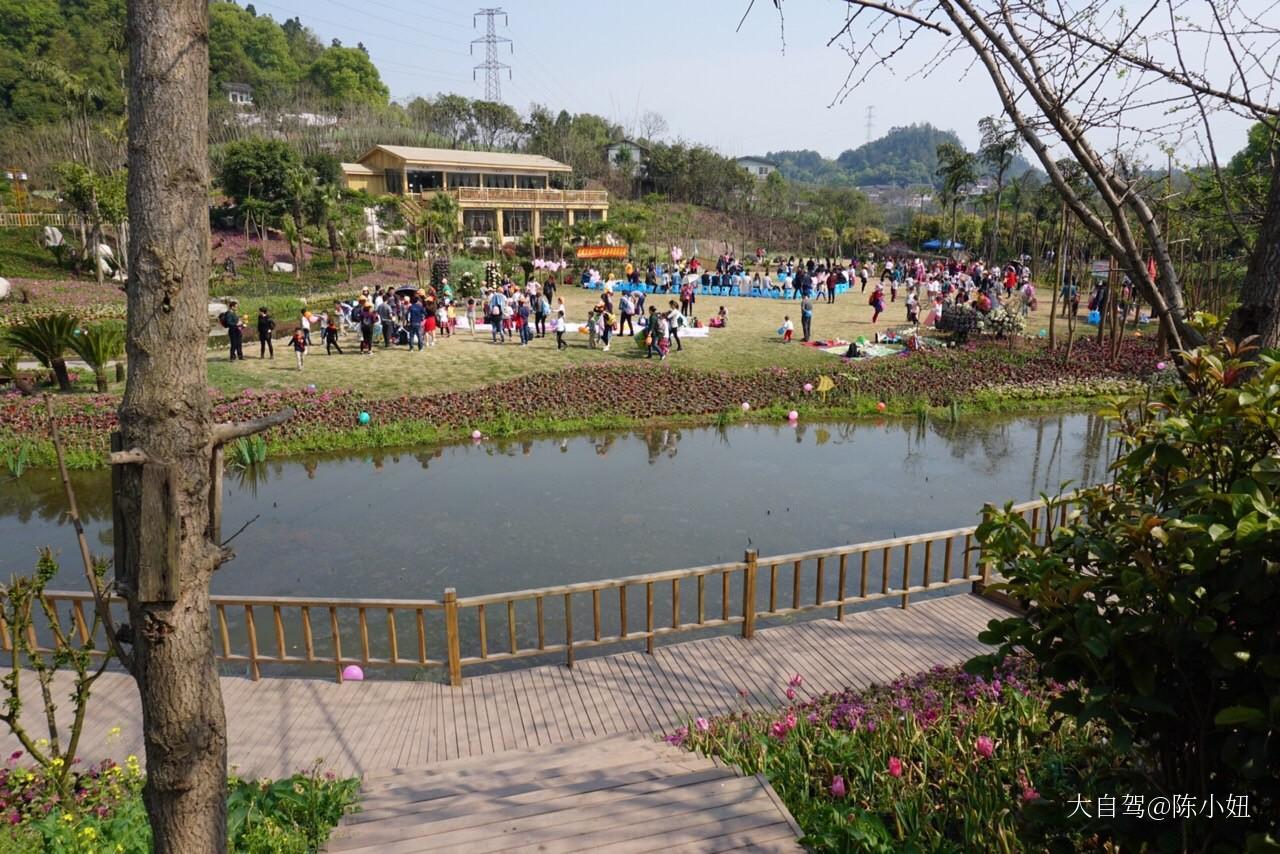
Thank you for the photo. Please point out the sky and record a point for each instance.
(737, 91)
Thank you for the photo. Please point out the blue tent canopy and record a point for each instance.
(936, 244)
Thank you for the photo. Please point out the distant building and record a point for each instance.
(506, 194)
(757, 166)
(627, 152)
(240, 94)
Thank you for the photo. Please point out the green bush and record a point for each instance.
(940, 761)
(295, 814)
(1157, 602)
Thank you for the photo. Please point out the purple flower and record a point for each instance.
(984, 746)
(796, 681)
(702, 724)
(895, 766)
(791, 693)
(837, 786)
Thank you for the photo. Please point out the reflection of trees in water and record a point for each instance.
(659, 442)
(249, 478)
(38, 494)
(916, 434)
(965, 439)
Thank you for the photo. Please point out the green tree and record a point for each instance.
(1155, 603)
(260, 168)
(958, 170)
(495, 122)
(1000, 144)
(345, 75)
(451, 117)
(46, 339)
(553, 234)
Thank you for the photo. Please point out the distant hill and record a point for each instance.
(902, 157)
(46, 42)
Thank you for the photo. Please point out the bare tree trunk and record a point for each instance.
(165, 412)
(1061, 280)
(333, 242)
(1259, 309)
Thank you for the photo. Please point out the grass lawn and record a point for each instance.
(465, 361)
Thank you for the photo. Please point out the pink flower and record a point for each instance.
(837, 786)
(702, 724)
(796, 681)
(984, 746)
(791, 693)
(895, 766)
(1029, 794)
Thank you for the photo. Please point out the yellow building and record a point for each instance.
(509, 194)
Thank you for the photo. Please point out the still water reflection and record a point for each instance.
(500, 516)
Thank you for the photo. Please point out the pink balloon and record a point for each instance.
(793, 415)
(477, 435)
(745, 406)
(808, 387)
(353, 673)
(880, 406)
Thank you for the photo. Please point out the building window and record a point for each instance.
(531, 182)
(579, 216)
(549, 217)
(464, 179)
(499, 181)
(478, 223)
(516, 223)
(395, 181)
(419, 181)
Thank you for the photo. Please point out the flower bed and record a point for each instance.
(939, 761)
(588, 395)
(295, 814)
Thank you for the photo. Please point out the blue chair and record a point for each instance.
(735, 291)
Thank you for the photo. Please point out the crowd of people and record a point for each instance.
(656, 313)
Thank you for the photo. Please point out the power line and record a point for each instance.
(492, 67)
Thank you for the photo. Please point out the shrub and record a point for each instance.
(939, 761)
(46, 339)
(1157, 600)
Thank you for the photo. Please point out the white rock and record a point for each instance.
(216, 308)
(51, 237)
(4, 288)
(282, 267)
(104, 251)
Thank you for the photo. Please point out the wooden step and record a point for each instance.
(653, 810)
(519, 790)
(435, 818)
(550, 754)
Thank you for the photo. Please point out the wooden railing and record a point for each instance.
(256, 631)
(518, 195)
(17, 219)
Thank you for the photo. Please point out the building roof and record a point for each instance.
(356, 169)
(237, 87)
(471, 159)
(757, 160)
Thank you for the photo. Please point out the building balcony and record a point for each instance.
(521, 198)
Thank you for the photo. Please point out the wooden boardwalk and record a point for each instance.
(279, 726)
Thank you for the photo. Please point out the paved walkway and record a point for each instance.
(278, 726)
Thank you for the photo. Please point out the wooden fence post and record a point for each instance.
(749, 596)
(451, 636)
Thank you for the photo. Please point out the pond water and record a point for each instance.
(501, 516)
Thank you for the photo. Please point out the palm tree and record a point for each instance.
(294, 238)
(553, 233)
(413, 246)
(958, 169)
(98, 345)
(441, 220)
(46, 339)
(1000, 144)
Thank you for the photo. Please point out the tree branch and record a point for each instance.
(895, 12)
(223, 433)
(133, 455)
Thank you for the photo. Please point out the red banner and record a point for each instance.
(585, 252)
